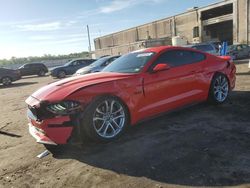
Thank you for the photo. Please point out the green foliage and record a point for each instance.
(45, 57)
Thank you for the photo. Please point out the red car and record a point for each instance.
(135, 87)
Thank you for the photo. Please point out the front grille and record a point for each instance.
(40, 113)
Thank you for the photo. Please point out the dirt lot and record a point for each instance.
(203, 145)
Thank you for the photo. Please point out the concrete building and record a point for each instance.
(227, 20)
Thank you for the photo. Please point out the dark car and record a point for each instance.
(33, 69)
(238, 51)
(210, 48)
(97, 66)
(70, 68)
(7, 76)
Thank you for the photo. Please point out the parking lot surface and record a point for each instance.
(203, 145)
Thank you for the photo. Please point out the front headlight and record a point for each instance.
(64, 107)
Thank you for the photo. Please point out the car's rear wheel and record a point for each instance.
(6, 81)
(41, 73)
(105, 119)
(219, 89)
(61, 74)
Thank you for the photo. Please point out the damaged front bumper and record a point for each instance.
(53, 130)
(39, 135)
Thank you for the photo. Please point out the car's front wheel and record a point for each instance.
(219, 89)
(6, 81)
(105, 119)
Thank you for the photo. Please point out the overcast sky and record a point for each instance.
(38, 27)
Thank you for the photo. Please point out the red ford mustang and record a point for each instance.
(134, 87)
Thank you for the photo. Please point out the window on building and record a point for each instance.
(196, 32)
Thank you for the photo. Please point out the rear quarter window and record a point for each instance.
(197, 57)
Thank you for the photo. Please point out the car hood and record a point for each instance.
(89, 69)
(85, 69)
(57, 91)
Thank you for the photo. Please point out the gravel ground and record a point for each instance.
(203, 145)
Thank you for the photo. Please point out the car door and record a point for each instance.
(79, 64)
(2, 73)
(73, 67)
(245, 49)
(82, 63)
(240, 52)
(34, 69)
(25, 70)
(179, 85)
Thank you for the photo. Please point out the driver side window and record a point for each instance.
(26, 66)
(74, 63)
(176, 58)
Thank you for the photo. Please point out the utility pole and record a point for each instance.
(89, 38)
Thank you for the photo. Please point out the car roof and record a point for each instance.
(163, 48)
(156, 49)
(33, 64)
(200, 44)
(114, 56)
(81, 59)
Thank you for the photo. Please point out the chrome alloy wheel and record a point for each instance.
(61, 74)
(221, 88)
(109, 118)
(6, 81)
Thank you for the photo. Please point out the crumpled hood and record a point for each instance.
(57, 91)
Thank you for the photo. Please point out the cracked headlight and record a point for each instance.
(64, 107)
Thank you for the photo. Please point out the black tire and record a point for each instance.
(41, 73)
(61, 74)
(89, 125)
(6, 81)
(219, 89)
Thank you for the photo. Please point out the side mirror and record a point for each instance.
(161, 67)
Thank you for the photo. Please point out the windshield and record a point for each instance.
(68, 63)
(99, 62)
(130, 63)
(21, 66)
